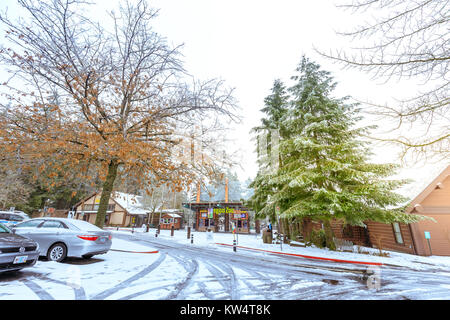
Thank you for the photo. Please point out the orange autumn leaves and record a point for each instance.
(64, 140)
(101, 99)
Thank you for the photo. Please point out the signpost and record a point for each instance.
(428, 237)
(279, 235)
(233, 229)
(133, 224)
(237, 215)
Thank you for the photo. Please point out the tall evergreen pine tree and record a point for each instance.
(275, 107)
(326, 173)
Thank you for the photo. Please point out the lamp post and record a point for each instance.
(234, 236)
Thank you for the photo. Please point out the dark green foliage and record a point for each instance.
(275, 107)
(59, 198)
(325, 171)
(317, 238)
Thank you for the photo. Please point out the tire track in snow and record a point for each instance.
(44, 295)
(191, 266)
(124, 284)
(220, 277)
(140, 293)
(233, 282)
(37, 289)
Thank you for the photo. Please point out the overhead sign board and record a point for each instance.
(233, 213)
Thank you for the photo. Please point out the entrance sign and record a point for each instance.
(218, 216)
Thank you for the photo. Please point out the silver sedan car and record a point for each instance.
(59, 238)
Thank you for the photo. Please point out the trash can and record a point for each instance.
(267, 235)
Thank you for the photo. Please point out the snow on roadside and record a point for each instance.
(255, 241)
(124, 245)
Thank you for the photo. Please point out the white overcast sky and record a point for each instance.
(253, 42)
(250, 43)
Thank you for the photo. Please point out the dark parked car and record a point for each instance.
(16, 252)
(59, 238)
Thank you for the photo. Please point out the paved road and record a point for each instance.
(184, 271)
(244, 275)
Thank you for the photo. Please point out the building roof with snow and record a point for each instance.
(130, 202)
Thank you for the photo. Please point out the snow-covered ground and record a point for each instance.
(53, 280)
(255, 241)
(206, 270)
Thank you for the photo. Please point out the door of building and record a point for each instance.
(221, 222)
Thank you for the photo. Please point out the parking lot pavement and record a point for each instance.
(181, 271)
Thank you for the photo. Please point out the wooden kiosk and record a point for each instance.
(220, 216)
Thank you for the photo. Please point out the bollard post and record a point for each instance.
(188, 232)
(234, 245)
(192, 238)
(172, 230)
(156, 233)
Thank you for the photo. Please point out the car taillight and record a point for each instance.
(89, 238)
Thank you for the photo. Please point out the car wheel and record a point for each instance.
(87, 256)
(57, 252)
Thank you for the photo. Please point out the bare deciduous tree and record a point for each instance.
(115, 99)
(406, 40)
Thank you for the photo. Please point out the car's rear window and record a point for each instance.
(83, 225)
(29, 223)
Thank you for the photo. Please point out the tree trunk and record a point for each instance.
(106, 193)
(329, 235)
(291, 232)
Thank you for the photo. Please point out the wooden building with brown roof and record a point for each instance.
(433, 202)
(123, 209)
(426, 237)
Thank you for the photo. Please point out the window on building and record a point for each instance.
(87, 207)
(397, 233)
